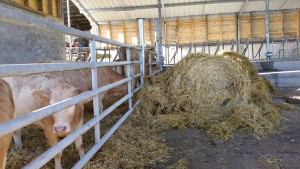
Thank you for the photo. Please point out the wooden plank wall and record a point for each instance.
(210, 28)
(44, 8)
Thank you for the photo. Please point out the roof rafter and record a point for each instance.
(282, 5)
(243, 7)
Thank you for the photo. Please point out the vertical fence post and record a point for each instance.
(159, 34)
(181, 52)
(168, 55)
(252, 50)
(142, 52)
(95, 86)
(128, 69)
(238, 33)
(269, 53)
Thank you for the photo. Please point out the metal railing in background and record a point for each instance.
(25, 69)
(254, 49)
(113, 54)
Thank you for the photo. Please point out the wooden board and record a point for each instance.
(229, 27)
(245, 27)
(33, 4)
(214, 28)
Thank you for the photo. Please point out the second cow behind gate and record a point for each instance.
(135, 68)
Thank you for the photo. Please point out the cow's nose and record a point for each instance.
(60, 128)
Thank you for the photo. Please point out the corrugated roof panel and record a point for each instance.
(292, 4)
(275, 5)
(180, 11)
(223, 8)
(255, 6)
(92, 4)
(153, 13)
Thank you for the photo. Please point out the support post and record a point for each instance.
(95, 31)
(95, 86)
(142, 52)
(69, 25)
(238, 33)
(269, 53)
(129, 83)
(165, 30)
(156, 41)
(159, 33)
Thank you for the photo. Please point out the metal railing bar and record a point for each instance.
(24, 120)
(136, 62)
(137, 89)
(153, 63)
(25, 69)
(104, 138)
(229, 42)
(54, 150)
(137, 75)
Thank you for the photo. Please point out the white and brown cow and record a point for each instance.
(82, 79)
(135, 55)
(7, 109)
(32, 92)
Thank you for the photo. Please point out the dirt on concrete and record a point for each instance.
(243, 151)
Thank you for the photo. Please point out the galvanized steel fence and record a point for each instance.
(25, 69)
(254, 49)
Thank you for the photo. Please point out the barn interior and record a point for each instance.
(212, 83)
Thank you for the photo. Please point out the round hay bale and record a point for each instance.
(218, 93)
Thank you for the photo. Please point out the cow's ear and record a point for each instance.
(42, 95)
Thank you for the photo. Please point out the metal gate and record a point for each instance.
(25, 69)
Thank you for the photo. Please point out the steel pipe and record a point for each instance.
(27, 119)
(142, 52)
(25, 69)
(95, 86)
(269, 54)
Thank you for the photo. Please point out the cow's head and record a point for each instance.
(65, 120)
